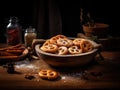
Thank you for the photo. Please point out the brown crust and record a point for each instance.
(77, 41)
(48, 74)
(59, 43)
(74, 50)
(86, 46)
(62, 50)
(64, 42)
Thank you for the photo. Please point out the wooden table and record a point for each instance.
(98, 74)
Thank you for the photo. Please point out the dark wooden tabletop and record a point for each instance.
(98, 74)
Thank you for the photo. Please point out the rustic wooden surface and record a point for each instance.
(98, 74)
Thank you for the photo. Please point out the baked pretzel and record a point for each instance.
(64, 42)
(62, 50)
(48, 74)
(48, 47)
(86, 45)
(54, 39)
(61, 36)
(62, 45)
(77, 41)
(74, 50)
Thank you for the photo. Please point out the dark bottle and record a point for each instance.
(14, 32)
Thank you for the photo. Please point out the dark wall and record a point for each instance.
(104, 11)
(100, 10)
(70, 13)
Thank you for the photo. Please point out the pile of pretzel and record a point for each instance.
(12, 51)
(62, 45)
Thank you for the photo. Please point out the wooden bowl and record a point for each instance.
(66, 60)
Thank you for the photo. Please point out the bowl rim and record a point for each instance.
(37, 48)
(96, 47)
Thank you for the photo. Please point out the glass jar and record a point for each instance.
(29, 35)
(14, 32)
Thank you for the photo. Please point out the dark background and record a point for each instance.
(100, 10)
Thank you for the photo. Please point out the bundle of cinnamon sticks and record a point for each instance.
(12, 51)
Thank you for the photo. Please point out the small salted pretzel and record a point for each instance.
(61, 36)
(77, 41)
(62, 50)
(50, 48)
(48, 74)
(64, 42)
(54, 39)
(74, 50)
(47, 47)
(86, 46)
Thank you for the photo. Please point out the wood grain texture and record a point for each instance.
(99, 74)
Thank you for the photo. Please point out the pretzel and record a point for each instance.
(48, 74)
(54, 39)
(86, 46)
(48, 47)
(60, 36)
(62, 50)
(74, 50)
(62, 45)
(77, 41)
(64, 42)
